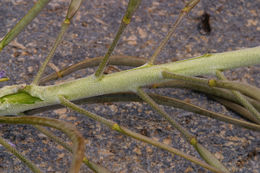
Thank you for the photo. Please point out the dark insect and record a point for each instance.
(204, 25)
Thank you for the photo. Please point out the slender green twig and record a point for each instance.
(77, 139)
(123, 130)
(174, 123)
(4, 79)
(31, 14)
(92, 165)
(64, 27)
(247, 89)
(241, 98)
(236, 108)
(131, 8)
(73, 8)
(196, 109)
(129, 79)
(204, 153)
(11, 149)
(182, 14)
(162, 100)
(219, 92)
(121, 60)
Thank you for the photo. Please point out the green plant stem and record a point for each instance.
(129, 79)
(222, 93)
(182, 14)
(64, 27)
(236, 108)
(223, 84)
(131, 8)
(31, 14)
(241, 98)
(73, 8)
(204, 153)
(121, 60)
(247, 89)
(162, 100)
(11, 149)
(193, 108)
(188, 136)
(4, 79)
(125, 131)
(92, 165)
(77, 139)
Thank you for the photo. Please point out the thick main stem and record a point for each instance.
(127, 80)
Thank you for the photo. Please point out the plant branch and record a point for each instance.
(31, 14)
(247, 89)
(162, 100)
(236, 108)
(204, 153)
(77, 139)
(125, 131)
(122, 60)
(182, 14)
(11, 149)
(92, 165)
(131, 8)
(241, 98)
(129, 79)
(222, 93)
(73, 8)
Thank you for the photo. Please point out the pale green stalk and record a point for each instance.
(73, 8)
(247, 89)
(125, 81)
(76, 138)
(4, 79)
(31, 14)
(114, 126)
(131, 8)
(58, 40)
(182, 14)
(204, 153)
(11, 149)
(92, 165)
(241, 98)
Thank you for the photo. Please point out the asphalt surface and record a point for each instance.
(232, 25)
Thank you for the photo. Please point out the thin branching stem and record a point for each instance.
(4, 79)
(237, 108)
(11, 149)
(131, 8)
(77, 139)
(241, 98)
(182, 14)
(92, 165)
(73, 8)
(222, 84)
(64, 27)
(219, 92)
(174, 123)
(204, 153)
(125, 131)
(31, 14)
(196, 109)
(121, 60)
(247, 89)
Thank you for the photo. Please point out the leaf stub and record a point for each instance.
(20, 97)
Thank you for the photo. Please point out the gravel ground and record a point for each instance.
(234, 24)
